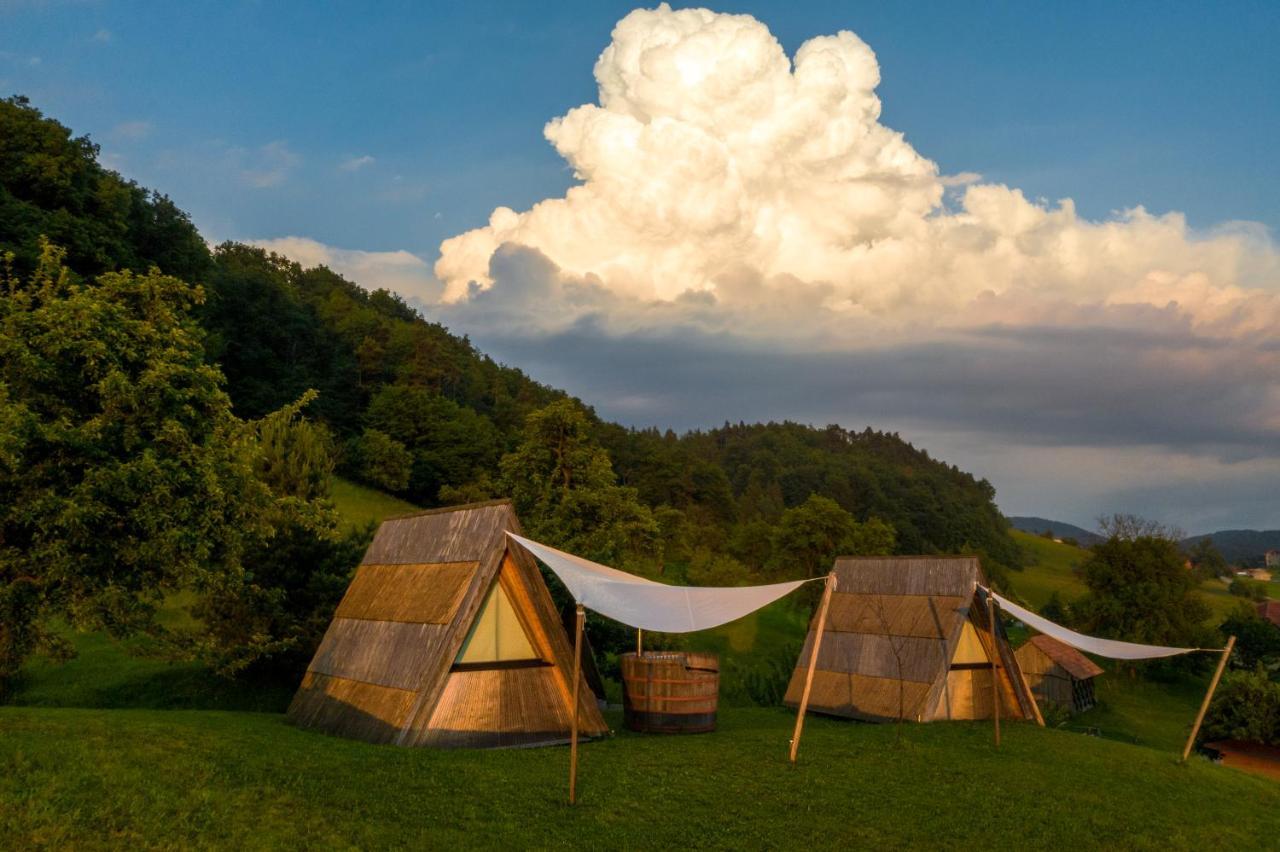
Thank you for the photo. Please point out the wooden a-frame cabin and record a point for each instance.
(446, 637)
(909, 638)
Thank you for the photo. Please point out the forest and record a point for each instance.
(289, 374)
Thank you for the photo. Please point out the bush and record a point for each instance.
(760, 679)
(709, 569)
(1250, 589)
(271, 615)
(1246, 707)
(1257, 640)
(122, 472)
(1057, 610)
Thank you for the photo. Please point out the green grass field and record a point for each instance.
(1052, 568)
(1148, 713)
(109, 674)
(360, 505)
(151, 779)
(121, 748)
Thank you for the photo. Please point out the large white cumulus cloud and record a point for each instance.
(708, 152)
(713, 164)
(746, 240)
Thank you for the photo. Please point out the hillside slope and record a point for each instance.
(1053, 567)
(1060, 529)
(1245, 547)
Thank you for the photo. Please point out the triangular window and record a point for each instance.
(970, 652)
(496, 636)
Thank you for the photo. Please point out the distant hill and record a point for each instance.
(1241, 546)
(1060, 529)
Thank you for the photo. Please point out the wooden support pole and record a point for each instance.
(573, 736)
(995, 665)
(1031, 696)
(639, 642)
(1208, 697)
(813, 662)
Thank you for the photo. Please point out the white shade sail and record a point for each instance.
(648, 605)
(1110, 648)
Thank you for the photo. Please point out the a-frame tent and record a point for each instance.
(909, 638)
(446, 637)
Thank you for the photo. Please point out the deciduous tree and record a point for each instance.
(1140, 591)
(564, 488)
(123, 473)
(809, 537)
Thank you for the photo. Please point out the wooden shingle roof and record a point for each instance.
(1077, 664)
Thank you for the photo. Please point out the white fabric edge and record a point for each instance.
(643, 603)
(1110, 648)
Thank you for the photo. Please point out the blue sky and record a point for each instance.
(394, 128)
(1175, 106)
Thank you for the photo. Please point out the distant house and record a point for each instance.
(1270, 610)
(1260, 574)
(1057, 673)
(1272, 558)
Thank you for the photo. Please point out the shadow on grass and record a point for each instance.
(113, 675)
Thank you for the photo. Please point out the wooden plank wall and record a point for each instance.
(395, 627)
(952, 576)
(528, 592)
(493, 708)
(350, 708)
(916, 606)
(888, 642)
(1049, 682)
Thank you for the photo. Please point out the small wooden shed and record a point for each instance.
(909, 637)
(1057, 673)
(446, 637)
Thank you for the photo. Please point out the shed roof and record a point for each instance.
(1077, 664)
(1270, 610)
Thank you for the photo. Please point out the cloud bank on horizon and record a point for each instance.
(747, 240)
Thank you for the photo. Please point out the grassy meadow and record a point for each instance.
(360, 505)
(1053, 568)
(120, 747)
(152, 779)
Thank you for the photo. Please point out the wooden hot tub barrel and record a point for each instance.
(670, 692)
